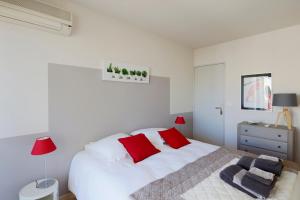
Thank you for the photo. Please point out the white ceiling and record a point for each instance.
(198, 23)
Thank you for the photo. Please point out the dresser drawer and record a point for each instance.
(264, 144)
(260, 151)
(263, 132)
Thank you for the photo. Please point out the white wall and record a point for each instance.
(25, 54)
(277, 52)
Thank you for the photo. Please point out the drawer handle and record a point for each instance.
(279, 135)
(279, 147)
(246, 130)
(246, 140)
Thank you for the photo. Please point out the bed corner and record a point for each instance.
(296, 192)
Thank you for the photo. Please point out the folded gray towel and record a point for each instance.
(269, 166)
(260, 179)
(272, 158)
(253, 186)
(261, 173)
(257, 187)
(237, 177)
(247, 162)
(227, 176)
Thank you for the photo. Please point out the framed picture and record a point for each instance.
(256, 92)
(113, 71)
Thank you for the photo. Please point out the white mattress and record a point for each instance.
(92, 178)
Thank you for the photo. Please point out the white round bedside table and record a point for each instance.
(30, 192)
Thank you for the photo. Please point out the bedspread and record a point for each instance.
(185, 183)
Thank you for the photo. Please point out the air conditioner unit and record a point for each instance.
(36, 14)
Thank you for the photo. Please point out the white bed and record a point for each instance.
(93, 178)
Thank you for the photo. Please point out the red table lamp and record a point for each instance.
(42, 146)
(179, 120)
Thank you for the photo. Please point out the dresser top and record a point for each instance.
(260, 124)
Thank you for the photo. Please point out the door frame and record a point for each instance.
(224, 99)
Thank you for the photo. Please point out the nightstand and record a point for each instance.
(259, 139)
(30, 192)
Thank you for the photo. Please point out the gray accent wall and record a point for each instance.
(83, 108)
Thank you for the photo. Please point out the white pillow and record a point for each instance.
(108, 148)
(152, 135)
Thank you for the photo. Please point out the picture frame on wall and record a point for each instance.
(256, 92)
(115, 71)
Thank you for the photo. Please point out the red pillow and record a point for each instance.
(138, 147)
(174, 138)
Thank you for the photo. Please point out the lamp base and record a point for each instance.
(45, 183)
(287, 117)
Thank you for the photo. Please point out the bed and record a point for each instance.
(188, 173)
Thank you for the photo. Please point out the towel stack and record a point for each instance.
(255, 177)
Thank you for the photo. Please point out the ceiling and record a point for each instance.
(198, 23)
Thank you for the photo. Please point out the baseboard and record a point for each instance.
(68, 196)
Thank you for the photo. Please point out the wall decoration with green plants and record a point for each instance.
(113, 71)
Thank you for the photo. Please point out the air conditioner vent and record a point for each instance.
(41, 8)
(36, 14)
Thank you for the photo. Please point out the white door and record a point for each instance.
(208, 115)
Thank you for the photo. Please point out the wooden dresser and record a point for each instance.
(258, 139)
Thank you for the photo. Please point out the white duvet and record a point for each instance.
(93, 178)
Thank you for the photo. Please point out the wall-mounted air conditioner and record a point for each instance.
(36, 14)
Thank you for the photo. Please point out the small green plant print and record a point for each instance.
(138, 73)
(110, 69)
(124, 71)
(144, 74)
(132, 72)
(117, 70)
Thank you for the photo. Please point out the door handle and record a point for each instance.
(221, 110)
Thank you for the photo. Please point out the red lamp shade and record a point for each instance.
(42, 146)
(180, 120)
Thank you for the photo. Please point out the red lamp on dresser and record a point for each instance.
(42, 146)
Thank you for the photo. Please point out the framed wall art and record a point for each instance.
(256, 92)
(113, 71)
